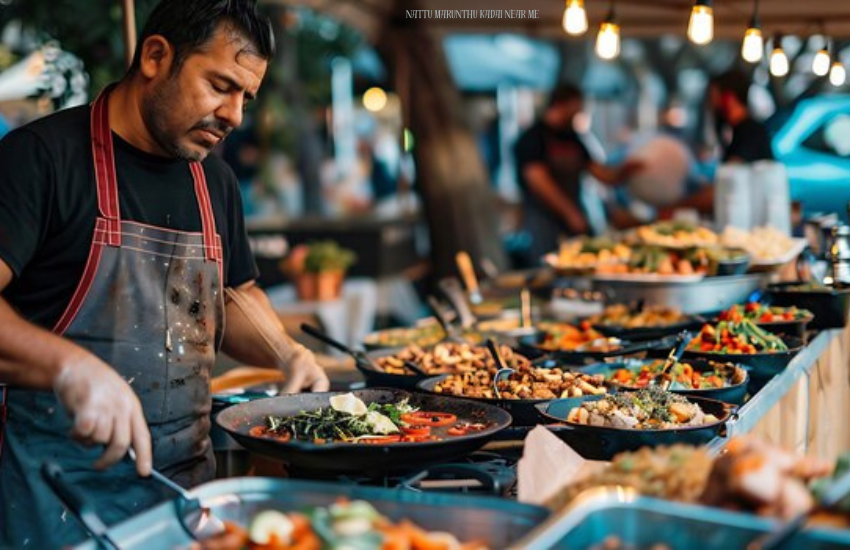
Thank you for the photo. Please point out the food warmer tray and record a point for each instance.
(709, 295)
(641, 522)
(499, 522)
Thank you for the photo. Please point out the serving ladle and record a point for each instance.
(502, 370)
(197, 519)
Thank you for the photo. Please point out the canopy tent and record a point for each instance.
(645, 18)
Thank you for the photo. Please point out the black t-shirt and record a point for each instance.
(566, 157)
(750, 142)
(48, 206)
(562, 151)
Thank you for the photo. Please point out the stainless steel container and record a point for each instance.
(639, 522)
(711, 294)
(498, 522)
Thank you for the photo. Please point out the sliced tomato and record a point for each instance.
(458, 430)
(258, 431)
(381, 440)
(428, 418)
(417, 430)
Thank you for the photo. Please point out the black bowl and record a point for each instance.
(735, 393)
(831, 306)
(523, 411)
(602, 443)
(762, 366)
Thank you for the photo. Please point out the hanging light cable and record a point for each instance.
(752, 48)
(608, 39)
(701, 23)
(778, 59)
(575, 18)
(823, 59)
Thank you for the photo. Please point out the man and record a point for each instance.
(118, 238)
(742, 138)
(750, 141)
(551, 159)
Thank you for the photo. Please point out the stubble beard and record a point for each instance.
(158, 107)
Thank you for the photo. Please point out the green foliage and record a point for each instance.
(328, 256)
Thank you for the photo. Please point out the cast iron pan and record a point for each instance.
(731, 394)
(523, 411)
(691, 322)
(831, 306)
(762, 366)
(602, 443)
(794, 329)
(530, 347)
(364, 459)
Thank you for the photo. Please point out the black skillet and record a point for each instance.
(372, 460)
(602, 443)
(365, 363)
(762, 366)
(523, 411)
(691, 322)
(531, 348)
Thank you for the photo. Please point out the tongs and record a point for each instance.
(835, 494)
(453, 291)
(452, 333)
(663, 378)
(358, 355)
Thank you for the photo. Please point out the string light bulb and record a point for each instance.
(778, 60)
(701, 23)
(822, 61)
(752, 48)
(575, 18)
(837, 74)
(608, 39)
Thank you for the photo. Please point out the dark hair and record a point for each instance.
(189, 24)
(565, 92)
(735, 82)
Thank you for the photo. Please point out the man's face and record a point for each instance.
(566, 111)
(189, 112)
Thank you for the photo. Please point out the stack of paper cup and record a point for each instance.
(732, 197)
(771, 195)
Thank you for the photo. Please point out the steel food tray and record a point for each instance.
(708, 295)
(499, 522)
(641, 522)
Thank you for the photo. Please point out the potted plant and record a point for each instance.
(318, 269)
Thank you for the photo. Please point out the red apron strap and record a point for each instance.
(212, 250)
(104, 168)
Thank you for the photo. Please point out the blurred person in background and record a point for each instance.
(551, 159)
(742, 138)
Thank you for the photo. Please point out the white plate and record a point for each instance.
(649, 277)
(797, 247)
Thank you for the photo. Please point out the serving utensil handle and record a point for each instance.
(75, 501)
(322, 336)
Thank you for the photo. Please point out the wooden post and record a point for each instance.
(129, 9)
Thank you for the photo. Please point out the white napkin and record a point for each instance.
(547, 465)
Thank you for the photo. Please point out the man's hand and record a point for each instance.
(105, 410)
(303, 372)
(255, 336)
(577, 223)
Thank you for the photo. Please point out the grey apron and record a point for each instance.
(150, 304)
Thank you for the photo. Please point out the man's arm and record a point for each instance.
(254, 335)
(611, 175)
(540, 183)
(105, 409)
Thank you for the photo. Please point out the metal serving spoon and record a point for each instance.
(197, 519)
(500, 365)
